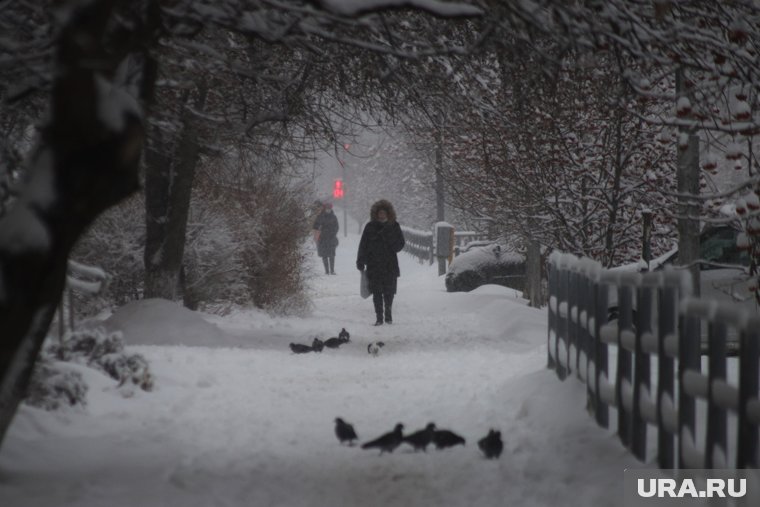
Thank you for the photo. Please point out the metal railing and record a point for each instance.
(657, 322)
(421, 244)
(81, 279)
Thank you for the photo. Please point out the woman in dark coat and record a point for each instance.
(381, 240)
(326, 234)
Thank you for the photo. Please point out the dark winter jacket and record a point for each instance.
(327, 225)
(380, 243)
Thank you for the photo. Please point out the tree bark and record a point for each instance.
(689, 210)
(168, 189)
(83, 164)
(608, 256)
(687, 176)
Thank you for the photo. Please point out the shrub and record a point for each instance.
(99, 349)
(51, 387)
(115, 243)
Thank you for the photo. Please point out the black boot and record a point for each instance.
(332, 265)
(377, 299)
(388, 299)
(327, 265)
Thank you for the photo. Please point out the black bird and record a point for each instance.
(374, 348)
(343, 335)
(491, 444)
(445, 438)
(333, 343)
(297, 348)
(420, 439)
(336, 342)
(344, 431)
(387, 442)
(317, 345)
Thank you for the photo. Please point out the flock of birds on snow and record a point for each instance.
(335, 342)
(491, 445)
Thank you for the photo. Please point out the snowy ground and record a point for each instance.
(244, 422)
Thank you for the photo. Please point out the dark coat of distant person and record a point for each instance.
(327, 225)
(379, 244)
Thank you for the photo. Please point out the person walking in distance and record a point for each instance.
(326, 236)
(381, 240)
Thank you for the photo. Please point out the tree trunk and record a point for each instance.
(687, 181)
(614, 202)
(689, 210)
(168, 189)
(83, 165)
(439, 188)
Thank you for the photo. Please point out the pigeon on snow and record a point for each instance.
(297, 348)
(344, 431)
(491, 444)
(337, 341)
(445, 438)
(420, 439)
(387, 442)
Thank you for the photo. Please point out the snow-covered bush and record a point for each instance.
(267, 211)
(104, 351)
(213, 267)
(52, 387)
(273, 247)
(244, 245)
(115, 243)
(214, 270)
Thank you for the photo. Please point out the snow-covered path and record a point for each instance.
(253, 425)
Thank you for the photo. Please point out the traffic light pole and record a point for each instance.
(345, 219)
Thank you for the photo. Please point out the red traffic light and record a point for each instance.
(338, 189)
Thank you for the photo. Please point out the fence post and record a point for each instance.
(583, 330)
(688, 359)
(552, 359)
(562, 322)
(601, 410)
(642, 371)
(443, 244)
(748, 443)
(665, 375)
(716, 416)
(573, 312)
(624, 370)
